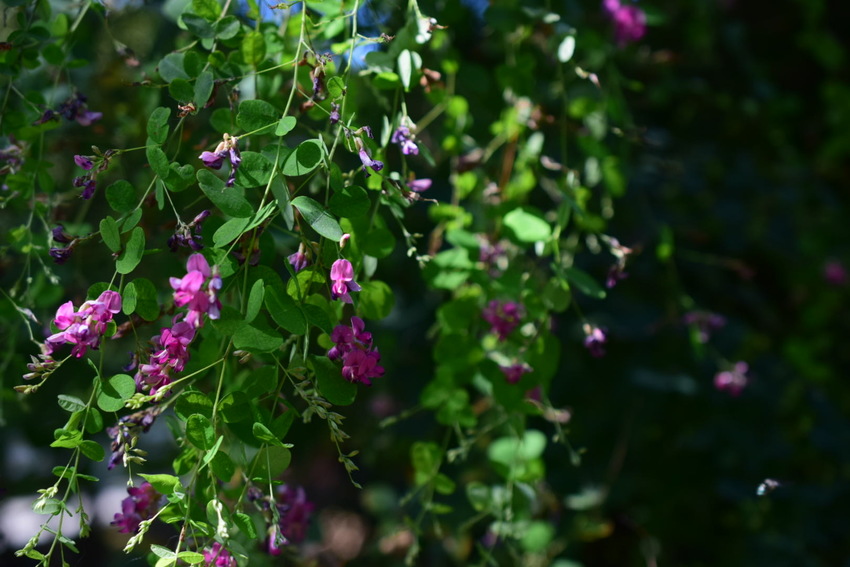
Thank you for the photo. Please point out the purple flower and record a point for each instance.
(212, 160)
(629, 21)
(299, 260)
(402, 137)
(199, 290)
(733, 380)
(75, 108)
(353, 345)
(419, 185)
(514, 372)
(594, 339)
(170, 354)
(83, 162)
(503, 317)
(59, 235)
(334, 117)
(295, 511)
(218, 556)
(84, 328)
(60, 255)
(87, 117)
(342, 278)
(126, 432)
(142, 503)
(369, 162)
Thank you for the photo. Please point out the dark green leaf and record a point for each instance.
(132, 254)
(92, 450)
(200, 432)
(121, 196)
(71, 403)
(253, 48)
(376, 299)
(330, 383)
(255, 301)
(158, 124)
(230, 231)
(227, 27)
(115, 391)
(253, 339)
(254, 171)
(198, 26)
(203, 89)
(584, 282)
(158, 160)
(208, 9)
(109, 233)
(270, 462)
(285, 312)
(245, 524)
(350, 202)
(262, 433)
(306, 157)
(144, 299)
(193, 402)
(317, 217)
(171, 67)
(255, 115)
(229, 200)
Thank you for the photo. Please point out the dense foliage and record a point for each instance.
(437, 283)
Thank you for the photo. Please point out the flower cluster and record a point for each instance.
(514, 372)
(218, 556)
(629, 21)
(354, 346)
(227, 148)
(125, 434)
(142, 503)
(75, 108)
(198, 290)
(84, 328)
(294, 510)
(733, 380)
(342, 281)
(170, 354)
(404, 138)
(503, 316)
(189, 234)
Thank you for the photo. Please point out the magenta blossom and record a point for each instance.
(353, 345)
(142, 503)
(300, 259)
(629, 21)
(229, 149)
(342, 278)
(733, 380)
(84, 162)
(369, 162)
(594, 340)
(218, 556)
(419, 185)
(84, 328)
(514, 372)
(705, 323)
(170, 354)
(503, 317)
(198, 289)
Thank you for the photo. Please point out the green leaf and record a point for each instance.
(208, 9)
(198, 25)
(193, 402)
(255, 115)
(443, 484)
(270, 462)
(71, 403)
(132, 220)
(245, 524)
(222, 120)
(379, 242)
(350, 202)
(227, 27)
(203, 89)
(537, 536)
(281, 195)
(306, 157)
(121, 196)
(317, 217)
(164, 483)
(254, 171)
(92, 450)
(94, 421)
(253, 339)
(115, 391)
(191, 557)
(230, 231)
(200, 432)
(408, 62)
(158, 124)
(528, 225)
(171, 67)
(109, 233)
(336, 87)
(253, 48)
(376, 299)
(229, 200)
(584, 282)
(158, 161)
(285, 312)
(145, 302)
(223, 467)
(425, 458)
(181, 90)
(386, 80)
(510, 450)
(285, 126)
(479, 496)
(330, 383)
(132, 254)
(262, 433)
(255, 301)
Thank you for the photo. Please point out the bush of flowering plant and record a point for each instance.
(326, 282)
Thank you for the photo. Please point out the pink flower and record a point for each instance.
(198, 290)
(734, 380)
(141, 504)
(84, 328)
(218, 556)
(503, 317)
(353, 345)
(342, 278)
(594, 340)
(629, 21)
(514, 372)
